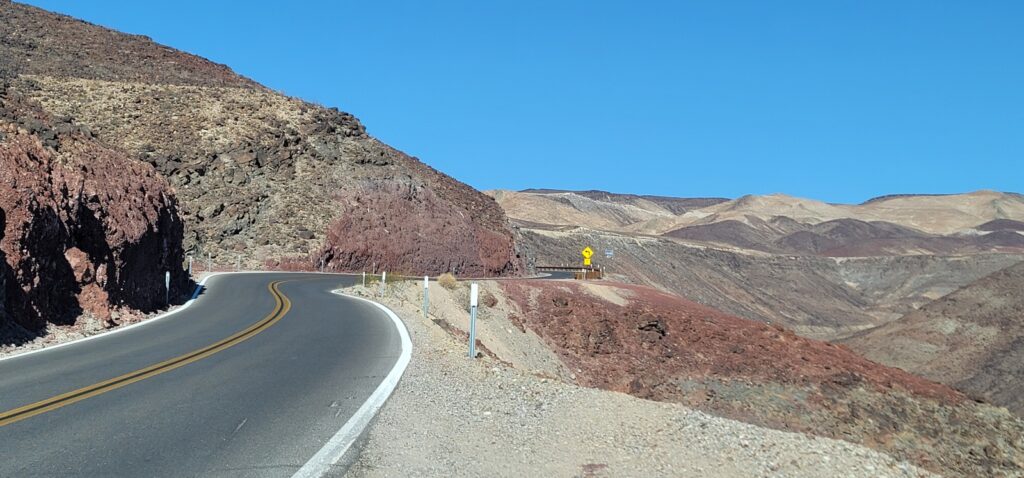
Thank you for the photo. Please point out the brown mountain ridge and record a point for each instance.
(261, 178)
(972, 339)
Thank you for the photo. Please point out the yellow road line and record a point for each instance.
(281, 307)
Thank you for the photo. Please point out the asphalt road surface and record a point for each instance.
(250, 380)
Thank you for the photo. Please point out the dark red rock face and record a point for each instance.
(404, 228)
(85, 228)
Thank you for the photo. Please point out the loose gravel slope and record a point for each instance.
(456, 417)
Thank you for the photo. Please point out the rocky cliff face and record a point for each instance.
(86, 229)
(262, 178)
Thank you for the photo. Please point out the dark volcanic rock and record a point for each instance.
(36, 42)
(85, 228)
(249, 165)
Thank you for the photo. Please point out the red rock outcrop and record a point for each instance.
(658, 336)
(409, 228)
(86, 229)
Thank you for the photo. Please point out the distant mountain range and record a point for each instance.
(982, 221)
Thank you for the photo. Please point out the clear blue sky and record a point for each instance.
(836, 100)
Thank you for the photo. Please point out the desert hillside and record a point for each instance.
(972, 339)
(262, 179)
(819, 297)
(824, 270)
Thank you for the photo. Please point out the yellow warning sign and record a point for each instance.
(587, 252)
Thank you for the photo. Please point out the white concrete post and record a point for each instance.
(474, 292)
(190, 266)
(364, 278)
(167, 288)
(383, 282)
(426, 296)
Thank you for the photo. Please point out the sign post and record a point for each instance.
(474, 292)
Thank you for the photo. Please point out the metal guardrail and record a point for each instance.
(579, 272)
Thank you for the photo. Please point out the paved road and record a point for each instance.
(250, 380)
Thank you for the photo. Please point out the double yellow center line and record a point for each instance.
(281, 307)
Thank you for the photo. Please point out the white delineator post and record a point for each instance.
(474, 292)
(190, 266)
(364, 278)
(167, 287)
(383, 281)
(426, 296)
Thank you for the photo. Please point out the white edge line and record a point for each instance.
(335, 448)
(195, 294)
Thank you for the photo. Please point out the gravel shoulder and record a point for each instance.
(512, 412)
(85, 326)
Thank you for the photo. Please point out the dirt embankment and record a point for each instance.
(657, 346)
(514, 411)
(87, 231)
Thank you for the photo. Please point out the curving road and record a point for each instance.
(252, 379)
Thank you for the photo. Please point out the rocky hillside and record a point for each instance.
(972, 339)
(262, 178)
(84, 229)
(659, 347)
(823, 270)
(818, 297)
